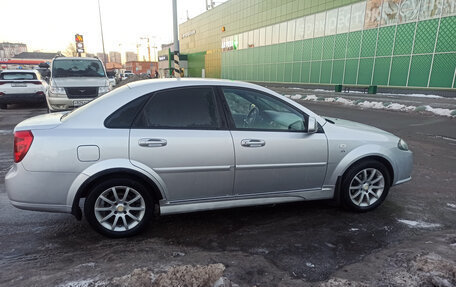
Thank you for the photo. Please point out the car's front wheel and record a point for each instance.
(119, 207)
(3, 106)
(365, 186)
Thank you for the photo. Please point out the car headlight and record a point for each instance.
(104, 89)
(402, 145)
(57, 90)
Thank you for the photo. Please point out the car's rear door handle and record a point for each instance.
(152, 142)
(253, 143)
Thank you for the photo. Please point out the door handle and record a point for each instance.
(152, 142)
(253, 143)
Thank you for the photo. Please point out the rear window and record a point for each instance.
(77, 68)
(17, 76)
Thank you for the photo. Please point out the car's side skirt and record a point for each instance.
(247, 200)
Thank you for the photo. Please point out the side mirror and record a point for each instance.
(312, 125)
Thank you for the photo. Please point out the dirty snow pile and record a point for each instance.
(376, 105)
(185, 275)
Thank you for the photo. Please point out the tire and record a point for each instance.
(122, 217)
(3, 106)
(365, 186)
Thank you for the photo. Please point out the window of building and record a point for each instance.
(343, 20)
(357, 16)
(262, 36)
(269, 35)
(320, 19)
(275, 34)
(291, 30)
(283, 32)
(256, 38)
(250, 39)
(331, 22)
(299, 30)
(309, 30)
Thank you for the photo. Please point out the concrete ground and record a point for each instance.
(408, 241)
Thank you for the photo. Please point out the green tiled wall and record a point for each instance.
(402, 56)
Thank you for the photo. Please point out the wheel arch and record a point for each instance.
(378, 158)
(91, 181)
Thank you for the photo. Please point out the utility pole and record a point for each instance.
(176, 41)
(148, 45)
(102, 39)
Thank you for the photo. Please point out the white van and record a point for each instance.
(75, 82)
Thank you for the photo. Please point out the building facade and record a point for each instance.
(131, 56)
(140, 67)
(9, 50)
(104, 57)
(114, 57)
(389, 43)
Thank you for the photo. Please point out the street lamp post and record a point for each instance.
(176, 41)
(101, 28)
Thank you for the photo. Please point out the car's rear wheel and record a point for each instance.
(119, 207)
(365, 186)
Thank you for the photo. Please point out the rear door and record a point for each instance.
(182, 136)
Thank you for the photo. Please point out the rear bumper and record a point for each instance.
(22, 98)
(40, 191)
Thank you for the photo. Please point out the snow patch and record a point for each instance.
(311, 98)
(418, 224)
(6, 132)
(439, 111)
(79, 283)
(310, 265)
(452, 205)
(354, 229)
(412, 95)
(376, 105)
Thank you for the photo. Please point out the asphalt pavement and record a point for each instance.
(299, 244)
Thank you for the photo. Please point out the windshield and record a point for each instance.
(77, 68)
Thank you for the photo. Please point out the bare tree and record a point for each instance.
(70, 51)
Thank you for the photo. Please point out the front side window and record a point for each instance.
(255, 110)
(77, 68)
(183, 108)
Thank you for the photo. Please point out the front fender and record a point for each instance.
(338, 169)
(113, 164)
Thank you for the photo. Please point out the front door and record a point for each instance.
(274, 153)
(180, 135)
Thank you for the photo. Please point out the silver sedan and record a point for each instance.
(176, 146)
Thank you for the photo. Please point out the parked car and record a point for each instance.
(126, 75)
(75, 82)
(193, 144)
(21, 87)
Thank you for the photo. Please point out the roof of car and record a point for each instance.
(173, 82)
(17, 71)
(75, 58)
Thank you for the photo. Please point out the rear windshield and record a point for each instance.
(77, 68)
(17, 76)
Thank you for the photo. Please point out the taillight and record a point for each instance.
(40, 93)
(22, 142)
(36, 82)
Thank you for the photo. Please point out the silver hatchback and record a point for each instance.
(175, 146)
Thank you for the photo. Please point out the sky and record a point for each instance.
(50, 25)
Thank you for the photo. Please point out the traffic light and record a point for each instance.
(79, 43)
